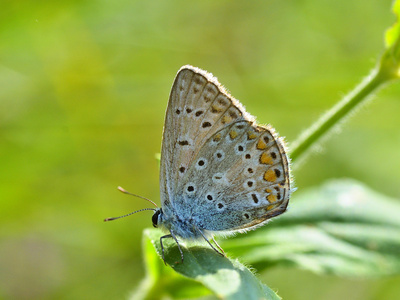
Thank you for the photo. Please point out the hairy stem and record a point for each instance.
(343, 109)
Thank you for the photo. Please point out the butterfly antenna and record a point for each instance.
(126, 192)
(134, 212)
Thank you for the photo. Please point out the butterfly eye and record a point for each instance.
(154, 218)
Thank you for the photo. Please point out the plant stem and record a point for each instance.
(378, 77)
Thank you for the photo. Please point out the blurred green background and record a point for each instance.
(83, 90)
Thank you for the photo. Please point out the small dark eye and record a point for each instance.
(154, 218)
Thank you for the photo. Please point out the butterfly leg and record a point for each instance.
(179, 246)
(211, 245)
(162, 246)
(219, 247)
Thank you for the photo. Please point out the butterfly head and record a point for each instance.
(156, 218)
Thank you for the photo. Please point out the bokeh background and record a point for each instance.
(83, 90)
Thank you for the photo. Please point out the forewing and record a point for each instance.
(198, 107)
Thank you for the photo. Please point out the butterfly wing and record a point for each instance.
(240, 177)
(224, 171)
(198, 107)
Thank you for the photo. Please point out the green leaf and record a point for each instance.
(162, 281)
(226, 278)
(341, 228)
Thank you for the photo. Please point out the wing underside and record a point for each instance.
(233, 173)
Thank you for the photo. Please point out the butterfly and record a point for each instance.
(220, 172)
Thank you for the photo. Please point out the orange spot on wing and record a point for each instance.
(261, 145)
(217, 137)
(270, 176)
(215, 109)
(226, 119)
(233, 134)
(271, 198)
(251, 135)
(265, 158)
